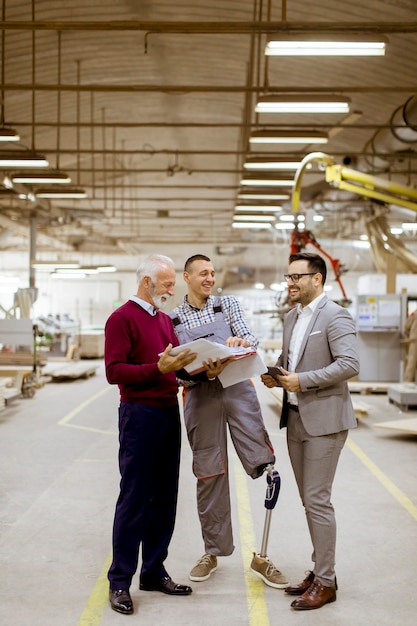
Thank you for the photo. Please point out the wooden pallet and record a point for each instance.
(366, 388)
(69, 370)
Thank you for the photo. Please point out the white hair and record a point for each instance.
(152, 265)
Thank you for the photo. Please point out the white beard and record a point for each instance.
(158, 300)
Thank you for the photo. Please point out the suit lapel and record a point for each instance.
(310, 327)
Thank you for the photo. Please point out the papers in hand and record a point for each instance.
(246, 362)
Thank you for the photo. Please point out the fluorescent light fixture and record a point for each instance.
(24, 159)
(254, 218)
(318, 218)
(296, 103)
(270, 163)
(27, 196)
(104, 269)
(396, 231)
(409, 226)
(52, 265)
(40, 178)
(77, 270)
(277, 287)
(284, 226)
(86, 269)
(287, 136)
(262, 181)
(365, 245)
(9, 134)
(263, 196)
(255, 225)
(60, 193)
(287, 218)
(68, 275)
(325, 44)
(271, 208)
(259, 286)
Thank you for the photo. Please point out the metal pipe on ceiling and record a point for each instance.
(398, 138)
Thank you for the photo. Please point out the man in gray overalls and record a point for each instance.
(209, 408)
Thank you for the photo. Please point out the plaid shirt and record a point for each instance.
(191, 317)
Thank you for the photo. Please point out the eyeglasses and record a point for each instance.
(296, 277)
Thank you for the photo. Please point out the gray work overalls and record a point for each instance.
(208, 408)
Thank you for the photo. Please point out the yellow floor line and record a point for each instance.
(98, 600)
(82, 406)
(255, 596)
(383, 479)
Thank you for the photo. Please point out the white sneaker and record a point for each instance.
(204, 568)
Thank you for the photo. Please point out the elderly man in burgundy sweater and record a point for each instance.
(138, 341)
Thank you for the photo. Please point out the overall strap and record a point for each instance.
(217, 307)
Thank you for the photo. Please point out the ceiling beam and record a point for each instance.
(217, 27)
(187, 89)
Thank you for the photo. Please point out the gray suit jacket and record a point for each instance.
(327, 359)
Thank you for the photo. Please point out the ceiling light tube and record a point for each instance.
(271, 208)
(270, 182)
(284, 226)
(52, 265)
(22, 160)
(270, 163)
(255, 225)
(325, 44)
(254, 218)
(263, 196)
(36, 178)
(302, 104)
(9, 134)
(287, 137)
(103, 269)
(60, 193)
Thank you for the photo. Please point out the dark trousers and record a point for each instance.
(149, 455)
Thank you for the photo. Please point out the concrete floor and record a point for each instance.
(58, 487)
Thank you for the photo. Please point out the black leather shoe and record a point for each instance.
(121, 601)
(166, 585)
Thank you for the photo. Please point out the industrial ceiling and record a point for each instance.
(148, 106)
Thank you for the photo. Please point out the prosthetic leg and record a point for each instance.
(261, 565)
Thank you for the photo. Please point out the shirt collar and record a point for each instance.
(149, 308)
(191, 306)
(312, 306)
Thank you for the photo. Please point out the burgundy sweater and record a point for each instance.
(133, 340)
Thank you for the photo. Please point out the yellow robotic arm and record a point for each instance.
(356, 182)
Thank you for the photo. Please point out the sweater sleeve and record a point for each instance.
(120, 367)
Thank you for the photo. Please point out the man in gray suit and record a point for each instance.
(318, 357)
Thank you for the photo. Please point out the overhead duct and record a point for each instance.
(397, 137)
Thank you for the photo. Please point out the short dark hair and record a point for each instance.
(315, 262)
(195, 257)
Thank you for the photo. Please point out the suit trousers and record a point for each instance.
(314, 461)
(149, 455)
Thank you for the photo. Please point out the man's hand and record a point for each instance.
(169, 363)
(234, 342)
(214, 368)
(290, 381)
(269, 381)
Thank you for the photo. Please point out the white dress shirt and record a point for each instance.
(304, 317)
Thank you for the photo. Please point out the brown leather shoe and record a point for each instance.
(316, 596)
(298, 590)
